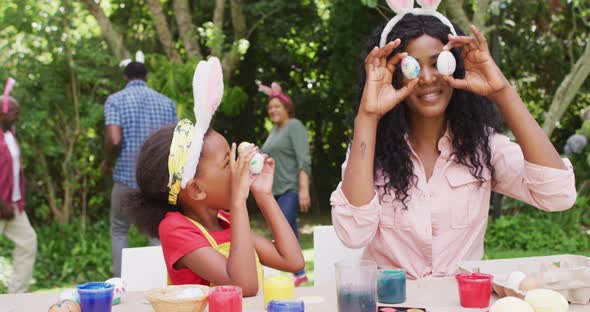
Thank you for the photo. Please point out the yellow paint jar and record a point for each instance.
(278, 287)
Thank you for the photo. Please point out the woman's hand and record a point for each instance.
(263, 183)
(240, 173)
(482, 75)
(379, 95)
(304, 200)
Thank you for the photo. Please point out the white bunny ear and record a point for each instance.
(400, 6)
(276, 88)
(207, 93)
(430, 5)
(139, 57)
(124, 63)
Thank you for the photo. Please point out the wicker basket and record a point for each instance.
(165, 299)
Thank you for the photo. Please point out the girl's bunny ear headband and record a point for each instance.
(446, 63)
(187, 141)
(6, 98)
(275, 90)
(139, 57)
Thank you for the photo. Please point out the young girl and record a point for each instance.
(188, 176)
(425, 155)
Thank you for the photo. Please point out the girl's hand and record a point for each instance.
(263, 183)
(379, 95)
(240, 173)
(482, 75)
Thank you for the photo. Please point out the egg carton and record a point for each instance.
(567, 274)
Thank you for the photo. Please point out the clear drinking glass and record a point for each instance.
(356, 286)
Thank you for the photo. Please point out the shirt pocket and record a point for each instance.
(466, 191)
(393, 214)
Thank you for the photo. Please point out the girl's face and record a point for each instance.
(277, 112)
(213, 173)
(433, 94)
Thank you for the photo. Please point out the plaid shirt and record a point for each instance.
(139, 111)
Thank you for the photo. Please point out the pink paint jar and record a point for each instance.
(475, 289)
(225, 299)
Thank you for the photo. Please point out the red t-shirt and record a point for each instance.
(179, 236)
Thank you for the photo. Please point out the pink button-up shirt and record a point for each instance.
(447, 216)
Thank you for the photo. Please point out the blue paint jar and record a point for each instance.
(285, 306)
(391, 286)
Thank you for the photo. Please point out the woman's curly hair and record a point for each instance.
(472, 118)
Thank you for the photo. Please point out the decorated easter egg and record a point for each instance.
(119, 286)
(514, 279)
(545, 300)
(257, 163)
(65, 306)
(511, 304)
(446, 63)
(69, 294)
(410, 67)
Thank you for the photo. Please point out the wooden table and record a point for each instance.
(435, 294)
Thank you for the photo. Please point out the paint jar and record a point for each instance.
(96, 296)
(225, 299)
(278, 287)
(286, 306)
(356, 286)
(391, 286)
(475, 289)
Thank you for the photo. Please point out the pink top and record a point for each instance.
(447, 216)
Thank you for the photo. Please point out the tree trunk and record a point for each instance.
(186, 29)
(457, 14)
(219, 13)
(232, 58)
(567, 90)
(112, 37)
(163, 30)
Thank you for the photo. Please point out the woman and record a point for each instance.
(425, 154)
(288, 145)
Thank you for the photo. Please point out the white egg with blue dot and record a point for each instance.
(410, 67)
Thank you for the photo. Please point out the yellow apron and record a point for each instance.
(224, 248)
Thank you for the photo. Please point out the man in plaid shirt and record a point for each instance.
(131, 115)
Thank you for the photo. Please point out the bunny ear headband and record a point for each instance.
(275, 91)
(138, 58)
(403, 7)
(187, 141)
(6, 98)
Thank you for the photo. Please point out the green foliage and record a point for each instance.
(71, 254)
(527, 233)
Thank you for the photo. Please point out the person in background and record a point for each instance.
(14, 223)
(288, 145)
(131, 115)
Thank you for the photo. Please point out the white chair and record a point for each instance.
(329, 249)
(143, 268)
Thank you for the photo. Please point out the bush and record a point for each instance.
(524, 232)
(68, 255)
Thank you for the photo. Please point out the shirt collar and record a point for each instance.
(445, 144)
(136, 83)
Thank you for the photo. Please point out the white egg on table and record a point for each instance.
(410, 67)
(511, 304)
(545, 300)
(119, 288)
(446, 63)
